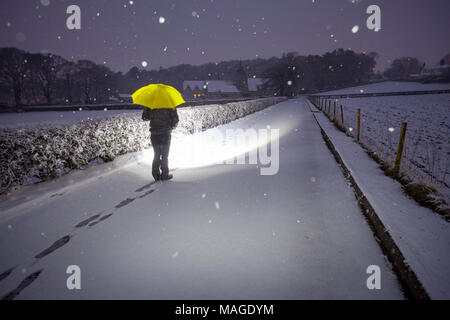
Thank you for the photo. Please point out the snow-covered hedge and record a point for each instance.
(34, 154)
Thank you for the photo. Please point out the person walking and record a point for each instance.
(160, 101)
(162, 122)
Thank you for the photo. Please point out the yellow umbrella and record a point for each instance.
(157, 96)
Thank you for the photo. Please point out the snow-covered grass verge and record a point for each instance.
(426, 162)
(33, 154)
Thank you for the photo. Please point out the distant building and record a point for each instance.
(435, 70)
(256, 84)
(194, 89)
(432, 71)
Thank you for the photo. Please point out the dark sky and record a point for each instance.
(122, 35)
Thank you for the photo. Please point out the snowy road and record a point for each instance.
(214, 232)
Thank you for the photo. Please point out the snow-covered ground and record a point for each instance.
(427, 149)
(390, 86)
(422, 236)
(213, 232)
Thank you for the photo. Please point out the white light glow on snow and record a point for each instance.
(208, 148)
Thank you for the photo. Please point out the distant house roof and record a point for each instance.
(192, 84)
(254, 84)
(124, 95)
(210, 85)
(433, 70)
(221, 86)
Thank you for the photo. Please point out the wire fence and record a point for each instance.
(416, 147)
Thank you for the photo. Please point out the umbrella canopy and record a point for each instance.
(158, 96)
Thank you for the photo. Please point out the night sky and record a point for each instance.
(122, 34)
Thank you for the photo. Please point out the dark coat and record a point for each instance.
(161, 120)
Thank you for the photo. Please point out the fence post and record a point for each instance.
(401, 143)
(334, 113)
(342, 115)
(358, 129)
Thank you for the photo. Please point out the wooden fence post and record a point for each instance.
(342, 115)
(358, 129)
(334, 113)
(401, 143)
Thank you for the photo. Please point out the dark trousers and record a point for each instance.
(161, 146)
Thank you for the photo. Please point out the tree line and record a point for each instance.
(37, 78)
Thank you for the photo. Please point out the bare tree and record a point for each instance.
(46, 68)
(67, 72)
(13, 71)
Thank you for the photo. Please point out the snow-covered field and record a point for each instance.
(427, 146)
(32, 119)
(390, 86)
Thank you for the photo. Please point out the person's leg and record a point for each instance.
(165, 157)
(157, 151)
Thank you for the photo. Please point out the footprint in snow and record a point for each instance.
(25, 283)
(58, 244)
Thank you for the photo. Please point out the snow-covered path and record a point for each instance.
(213, 232)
